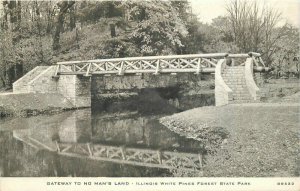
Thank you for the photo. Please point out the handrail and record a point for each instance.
(222, 91)
(212, 55)
(218, 75)
(189, 63)
(251, 85)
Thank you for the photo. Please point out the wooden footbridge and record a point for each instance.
(234, 75)
(193, 63)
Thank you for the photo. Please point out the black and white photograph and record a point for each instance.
(150, 88)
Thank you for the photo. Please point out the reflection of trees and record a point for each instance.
(19, 159)
(9, 152)
(139, 131)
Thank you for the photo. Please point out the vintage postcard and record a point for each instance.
(149, 95)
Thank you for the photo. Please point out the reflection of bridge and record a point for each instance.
(133, 156)
(117, 154)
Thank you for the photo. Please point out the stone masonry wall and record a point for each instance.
(82, 91)
(22, 84)
(223, 94)
(43, 82)
(66, 87)
(76, 89)
(107, 84)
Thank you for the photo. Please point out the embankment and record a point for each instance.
(259, 139)
(26, 104)
(274, 89)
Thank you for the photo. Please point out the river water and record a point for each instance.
(92, 144)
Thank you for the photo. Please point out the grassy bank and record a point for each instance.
(244, 140)
(29, 104)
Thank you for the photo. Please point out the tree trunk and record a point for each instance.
(5, 10)
(112, 30)
(64, 6)
(3, 81)
(12, 8)
(72, 18)
(19, 13)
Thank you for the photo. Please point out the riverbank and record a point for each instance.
(28, 104)
(244, 140)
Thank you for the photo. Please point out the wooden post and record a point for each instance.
(88, 70)
(105, 66)
(157, 68)
(57, 146)
(89, 148)
(200, 160)
(121, 72)
(198, 66)
(262, 62)
(123, 153)
(107, 153)
(232, 62)
(55, 75)
(255, 61)
(159, 157)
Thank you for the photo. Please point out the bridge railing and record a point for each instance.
(193, 63)
(134, 156)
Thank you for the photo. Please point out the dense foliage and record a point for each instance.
(43, 32)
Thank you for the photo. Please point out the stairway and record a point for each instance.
(234, 77)
(22, 84)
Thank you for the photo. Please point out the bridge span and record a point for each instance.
(234, 75)
(192, 63)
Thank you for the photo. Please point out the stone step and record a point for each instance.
(235, 81)
(233, 71)
(242, 98)
(244, 101)
(234, 68)
(31, 74)
(233, 75)
(22, 85)
(240, 94)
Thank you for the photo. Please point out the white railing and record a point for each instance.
(222, 91)
(251, 85)
(133, 156)
(192, 63)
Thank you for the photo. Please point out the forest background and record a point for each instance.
(34, 33)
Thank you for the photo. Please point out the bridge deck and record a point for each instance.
(192, 63)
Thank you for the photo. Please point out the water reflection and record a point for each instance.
(77, 143)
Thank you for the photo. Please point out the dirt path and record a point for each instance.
(260, 139)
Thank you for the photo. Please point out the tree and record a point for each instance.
(63, 8)
(285, 59)
(253, 27)
(156, 26)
